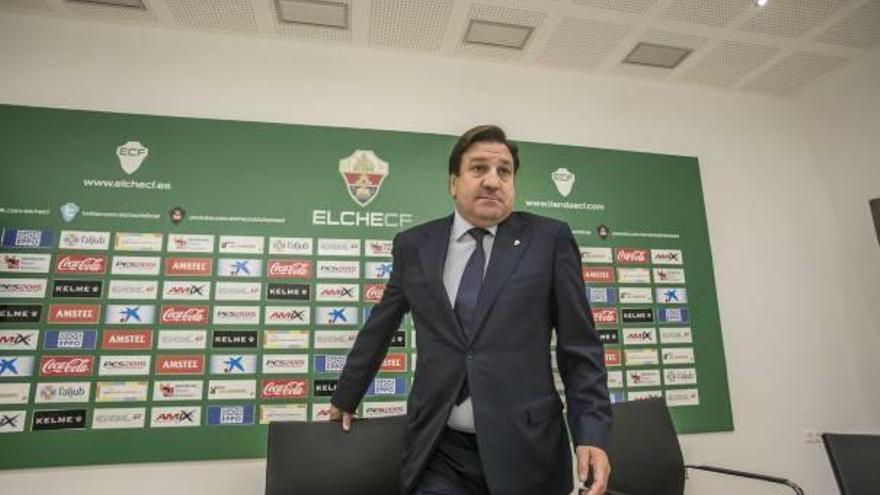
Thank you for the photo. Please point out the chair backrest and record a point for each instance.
(644, 451)
(312, 458)
(855, 460)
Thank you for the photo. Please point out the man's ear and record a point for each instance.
(453, 184)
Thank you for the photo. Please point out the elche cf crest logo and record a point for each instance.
(564, 180)
(131, 155)
(363, 173)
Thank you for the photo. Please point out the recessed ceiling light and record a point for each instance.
(314, 13)
(667, 57)
(137, 4)
(761, 3)
(498, 34)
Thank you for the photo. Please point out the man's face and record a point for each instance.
(484, 188)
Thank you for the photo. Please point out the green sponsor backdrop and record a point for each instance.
(241, 178)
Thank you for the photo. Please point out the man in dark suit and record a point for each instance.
(486, 287)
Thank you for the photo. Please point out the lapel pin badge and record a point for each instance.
(516, 242)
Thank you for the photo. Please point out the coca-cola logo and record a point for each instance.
(78, 263)
(604, 316)
(374, 292)
(631, 256)
(274, 389)
(290, 269)
(184, 315)
(66, 365)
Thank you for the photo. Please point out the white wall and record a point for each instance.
(794, 305)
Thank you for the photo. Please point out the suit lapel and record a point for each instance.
(510, 243)
(432, 254)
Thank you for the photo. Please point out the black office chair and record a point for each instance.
(320, 458)
(855, 460)
(646, 456)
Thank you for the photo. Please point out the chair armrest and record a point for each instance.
(754, 476)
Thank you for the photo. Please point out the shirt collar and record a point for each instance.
(460, 226)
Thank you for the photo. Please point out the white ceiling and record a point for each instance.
(777, 49)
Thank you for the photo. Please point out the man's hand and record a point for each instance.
(595, 460)
(336, 414)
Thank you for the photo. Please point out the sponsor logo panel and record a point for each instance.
(678, 355)
(378, 270)
(22, 288)
(85, 264)
(80, 239)
(325, 387)
(121, 391)
(232, 389)
(339, 247)
(676, 335)
(16, 366)
(137, 241)
(335, 339)
(236, 267)
(186, 290)
(182, 339)
(236, 315)
(177, 390)
(290, 246)
(76, 288)
(341, 316)
(290, 388)
(177, 364)
(287, 315)
(25, 263)
(387, 386)
(337, 292)
(612, 357)
(395, 362)
(184, 315)
(237, 291)
(74, 313)
(631, 256)
(67, 419)
(330, 363)
(231, 415)
(12, 421)
(285, 363)
(600, 255)
(604, 316)
(683, 397)
(127, 340)
(27, 238)
(62, 392)
(19, 340)
(672, 295)
(642, 378)
(377, 248)
(53, 366)
(289, 269)
(608, 336)
(673, 315)
(639, 336)
(373, 292)
(285, 339)
(130, 314)
(338, 269)
(601, 295)
(641, 357)
(133, 289)
(20, 313)
(124, 365)
(320, 412)
(669, 276)
(637, 315)
(234, 339)
(188, 267)
(601, 275)
(680, 376)
(384, 409)
(242, 244)
(286, 412)
(292, 292)
(180, 416)
(635, 295)
(615, 379)
(633, 276)
(136, 265)
(114, 418)
(70, 339)
(233, 364)
(14, 393)
(666, 257)
(190, 243)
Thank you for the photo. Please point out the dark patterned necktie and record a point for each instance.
(469, 293)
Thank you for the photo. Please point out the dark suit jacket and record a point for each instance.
(530, 287)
